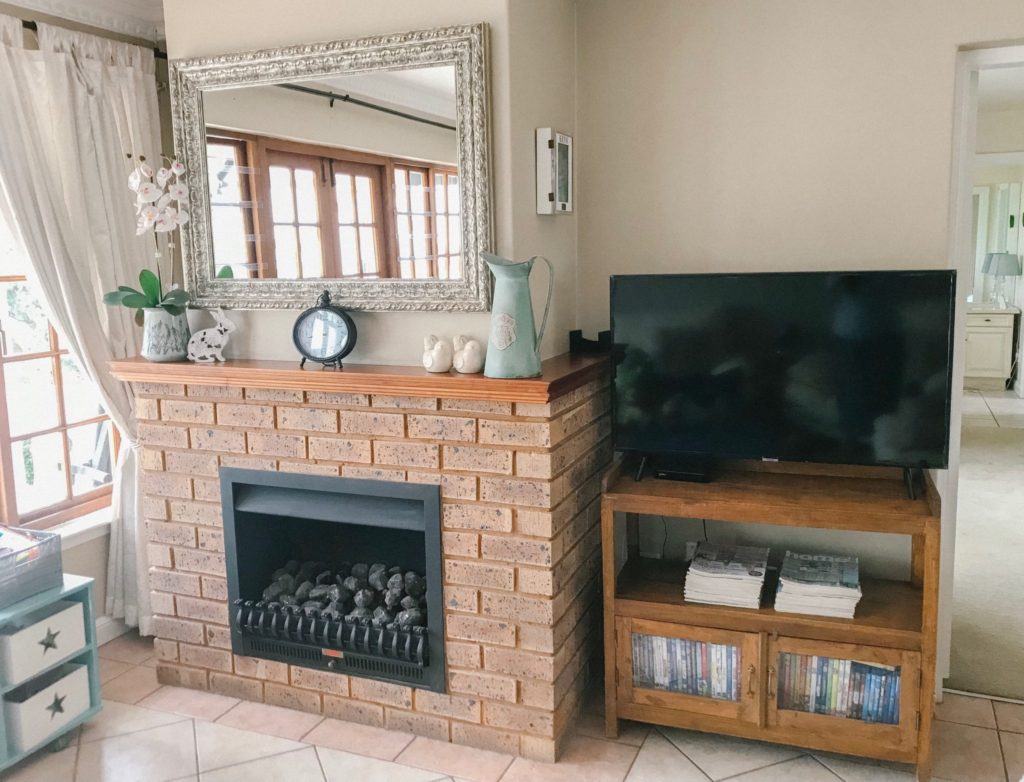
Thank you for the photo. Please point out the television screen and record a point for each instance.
(833, 367)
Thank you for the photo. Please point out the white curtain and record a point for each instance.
(70, 113)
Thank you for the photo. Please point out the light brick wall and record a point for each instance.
(521, 560)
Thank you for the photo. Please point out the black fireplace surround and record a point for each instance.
(274, 518)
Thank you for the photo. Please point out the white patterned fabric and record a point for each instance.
(69, 115)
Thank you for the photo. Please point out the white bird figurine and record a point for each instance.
(208, 345)
(437, 354)
(469, 355)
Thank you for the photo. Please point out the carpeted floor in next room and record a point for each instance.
(988, 608)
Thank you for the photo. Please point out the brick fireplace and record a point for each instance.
(518, 464)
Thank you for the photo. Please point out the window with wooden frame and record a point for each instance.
(339, 214)
(57, 444)
(232, 212)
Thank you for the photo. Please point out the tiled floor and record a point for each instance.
(1003, 409)
(150, 733)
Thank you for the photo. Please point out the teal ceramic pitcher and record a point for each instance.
(513, 350)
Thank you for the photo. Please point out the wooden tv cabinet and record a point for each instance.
(895, 622)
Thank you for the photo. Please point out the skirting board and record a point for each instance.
(107, 629)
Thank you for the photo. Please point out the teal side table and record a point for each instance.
(43, 700)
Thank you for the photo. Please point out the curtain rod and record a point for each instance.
(28, 24)
(333, 96)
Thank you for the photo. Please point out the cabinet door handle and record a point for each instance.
(752, 674)
(771, 681)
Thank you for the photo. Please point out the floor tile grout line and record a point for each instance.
(825, 766)
(966, 724)
(195, 744)
(133, 732)
(770, 765)
(696, 765)
(319, 761)
(254, 760)
(1002, 756)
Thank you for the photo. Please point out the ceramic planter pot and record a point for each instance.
(164, 336)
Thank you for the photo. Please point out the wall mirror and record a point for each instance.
(360, 165)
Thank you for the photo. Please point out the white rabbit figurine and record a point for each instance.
(437, 354)
(208, 345)
(469, 355)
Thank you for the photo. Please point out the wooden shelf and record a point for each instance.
(889, 613)
(895, 622)
(864, 500)
(559, 375)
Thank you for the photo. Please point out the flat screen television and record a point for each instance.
(832, 367)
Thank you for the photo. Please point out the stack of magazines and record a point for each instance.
(726, 575)
(818, 584)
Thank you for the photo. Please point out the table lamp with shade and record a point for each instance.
(1001, 265)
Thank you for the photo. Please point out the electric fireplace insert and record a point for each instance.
(335, 573)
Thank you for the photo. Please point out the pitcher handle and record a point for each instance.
(547, 306)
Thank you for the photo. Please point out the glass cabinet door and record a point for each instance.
(695, 669)
(873, 691)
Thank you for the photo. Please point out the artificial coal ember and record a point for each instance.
(367, 593)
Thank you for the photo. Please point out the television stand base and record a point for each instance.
(669, 468)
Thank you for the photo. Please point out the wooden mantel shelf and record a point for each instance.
(560, 375)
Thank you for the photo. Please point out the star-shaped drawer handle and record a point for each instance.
(57, 707)
(49, 640)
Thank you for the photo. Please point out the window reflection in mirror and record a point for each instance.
(366, 188)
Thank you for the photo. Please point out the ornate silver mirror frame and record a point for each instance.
(465, 47)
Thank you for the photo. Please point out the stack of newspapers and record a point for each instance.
(726, 575)
(818, 584)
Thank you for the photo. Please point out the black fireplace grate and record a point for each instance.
(289, 634)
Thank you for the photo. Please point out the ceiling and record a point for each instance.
(429, 92)
(137, 18)
(1001, 89)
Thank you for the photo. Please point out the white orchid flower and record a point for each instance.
(146, 169)
(162, 175)
(181, 217)
(178, 191)
(149, 192)
(135, 179)
(177, 168)
(165, 222)
(164, 201)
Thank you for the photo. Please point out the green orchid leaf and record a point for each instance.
(114, 297)
(226, 273)
(150, 286)
(127, 289)
(140, 317)
(136, 300)
(177, 296)
(174, 309)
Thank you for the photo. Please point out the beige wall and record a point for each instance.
(271, 111)
(743, 135)
(540, 86)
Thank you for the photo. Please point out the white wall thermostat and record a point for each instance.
(554, 172)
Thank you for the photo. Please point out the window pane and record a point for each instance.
(419, 234)
(406, 269)
(281, 194)
(38, 466)
(346, 206)
(31, 395)
(404, 240)
(368, 244)
(401, 191)
(81, 401)
(287, 252)
(417, 194)
(230, 245)
(305, 195)
(225, 182)
(349, 250)
(455, 267)
(454, 204)
(312, 256)
(364, 200)
(455, 234)
(24, 322)
(89, 446)
(439, 190)
(422, 268)
(441, 226)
